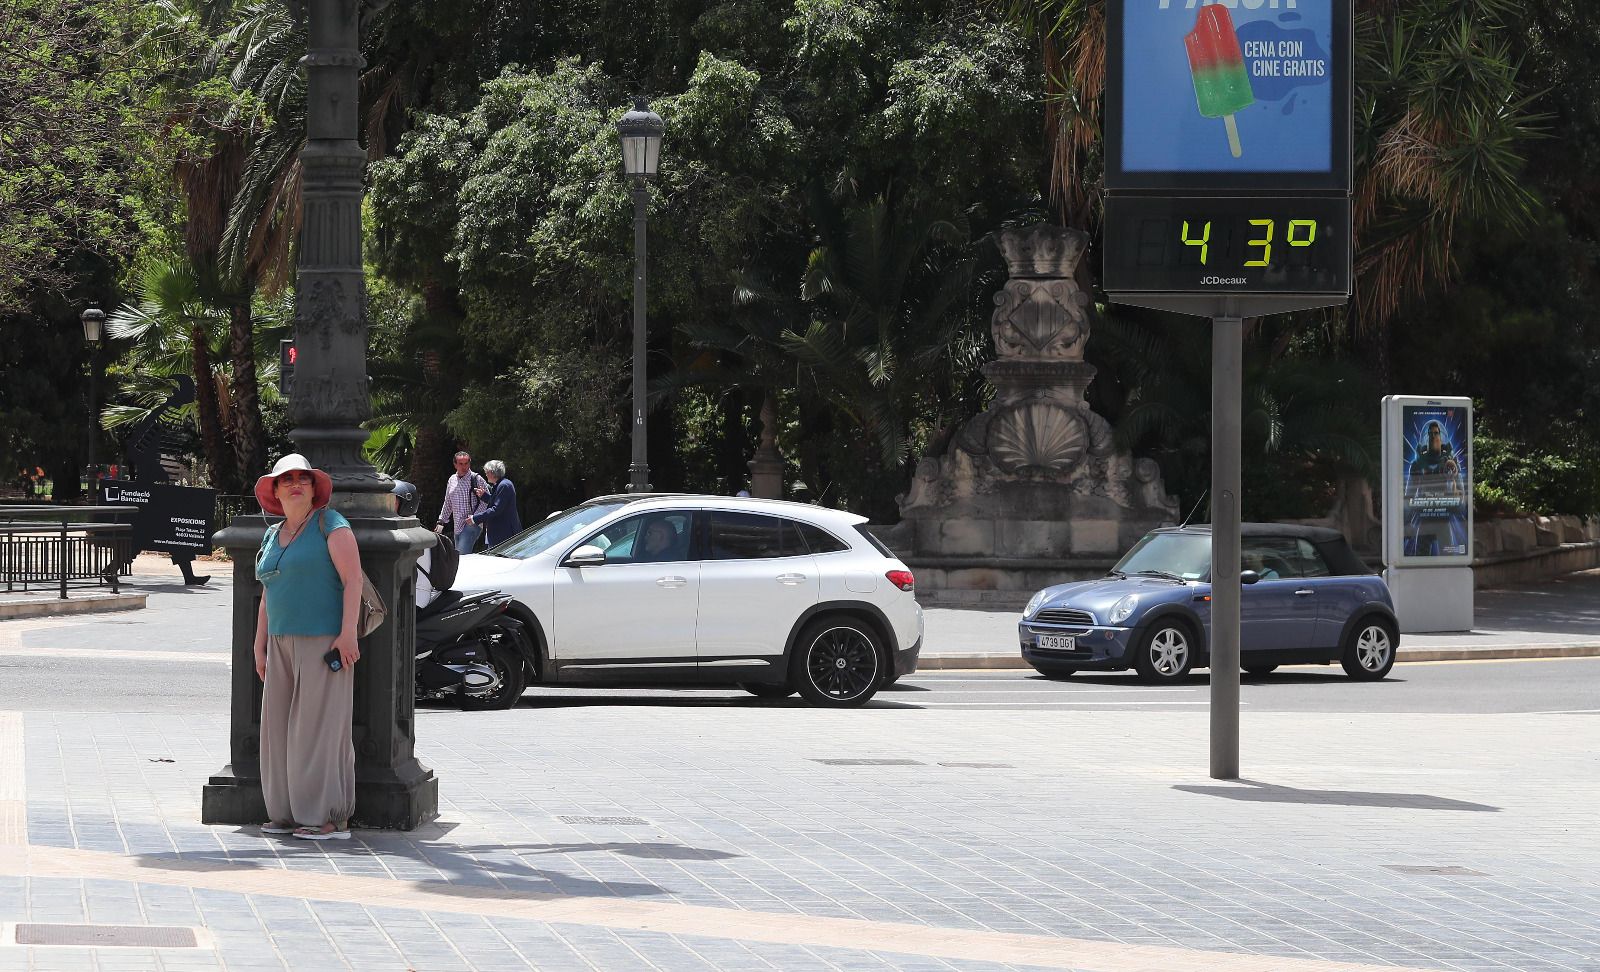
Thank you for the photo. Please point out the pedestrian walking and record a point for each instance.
(306, 650)
(498, 517)
(461, 500)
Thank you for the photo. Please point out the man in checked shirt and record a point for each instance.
(461, 500)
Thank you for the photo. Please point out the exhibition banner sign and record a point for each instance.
(173, 519)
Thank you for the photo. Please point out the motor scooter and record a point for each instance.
(468, 646)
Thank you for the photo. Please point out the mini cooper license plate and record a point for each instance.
(1058, 642)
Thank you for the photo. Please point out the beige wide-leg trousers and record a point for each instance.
(308, 764)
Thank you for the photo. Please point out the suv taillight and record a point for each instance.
(902, 579)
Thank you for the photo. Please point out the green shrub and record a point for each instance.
(1516, 476)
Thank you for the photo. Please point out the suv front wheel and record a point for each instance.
(837, 662)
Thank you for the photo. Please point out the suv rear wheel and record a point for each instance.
(837, 662)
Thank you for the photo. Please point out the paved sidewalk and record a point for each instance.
(1551, 619)
(708, 831)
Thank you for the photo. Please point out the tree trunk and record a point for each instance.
(431, 450)
(219, 456)
(249, 443)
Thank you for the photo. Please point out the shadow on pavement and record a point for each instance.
(689, 702)
(1258, 792)
(460, 871)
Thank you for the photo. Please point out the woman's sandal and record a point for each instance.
(278, 828)
(325, 832)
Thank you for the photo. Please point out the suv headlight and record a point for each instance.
(1123, 609)
(1033, 604)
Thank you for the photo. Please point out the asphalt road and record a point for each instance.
(74, 668)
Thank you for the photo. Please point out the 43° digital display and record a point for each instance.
(1227, 244)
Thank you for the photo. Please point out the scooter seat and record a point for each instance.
(443, 602)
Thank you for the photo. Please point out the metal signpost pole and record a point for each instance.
(1225, 201)
(1227, 368)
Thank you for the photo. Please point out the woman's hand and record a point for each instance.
(349, 652)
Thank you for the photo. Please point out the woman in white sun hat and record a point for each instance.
(306, 651)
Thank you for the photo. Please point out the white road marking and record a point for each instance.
(215, 657)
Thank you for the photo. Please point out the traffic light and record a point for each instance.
(286, 356)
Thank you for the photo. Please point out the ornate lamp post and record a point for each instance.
(641, 150)
(328, 404)
(94, 320)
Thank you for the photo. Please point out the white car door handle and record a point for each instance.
(671, 581)
(791, 579)
(1304, 592)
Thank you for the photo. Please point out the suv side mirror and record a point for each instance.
(1248, 577)
(587, 555)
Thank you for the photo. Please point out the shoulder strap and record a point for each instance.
(320, 528)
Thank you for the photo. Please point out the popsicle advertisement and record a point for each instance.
(1231, 86)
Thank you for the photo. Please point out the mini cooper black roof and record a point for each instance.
(1330, 543)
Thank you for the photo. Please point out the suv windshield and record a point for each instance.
(1185, 555)
(554, 529)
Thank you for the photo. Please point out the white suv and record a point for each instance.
(772, 596)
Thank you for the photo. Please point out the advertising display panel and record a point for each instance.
(1427, 446)
(1246, 94)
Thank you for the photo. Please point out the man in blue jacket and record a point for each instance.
(498, 515)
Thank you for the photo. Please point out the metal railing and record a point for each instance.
(230, 505)
(62, 546)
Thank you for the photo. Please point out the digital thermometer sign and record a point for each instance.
(1227, 244)
(1228, 154)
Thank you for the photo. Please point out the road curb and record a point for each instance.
(88, 604)
(999, 660)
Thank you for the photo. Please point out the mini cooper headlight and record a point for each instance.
(1123, 609)
(1033, 604)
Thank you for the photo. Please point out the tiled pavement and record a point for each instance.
(1097, 827)
(1078, 839)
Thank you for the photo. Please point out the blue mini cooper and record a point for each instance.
(1306, 598)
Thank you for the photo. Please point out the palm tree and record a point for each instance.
(891, 333)
(174, 330)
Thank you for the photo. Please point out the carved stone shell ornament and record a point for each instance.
(1038, 435)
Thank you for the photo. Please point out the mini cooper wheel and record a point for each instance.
(837, 662)
(1369, 649)
(1165, 654)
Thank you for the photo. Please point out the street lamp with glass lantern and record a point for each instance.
(641, 149)
(93, 319)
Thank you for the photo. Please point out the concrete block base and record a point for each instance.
(1432, 598)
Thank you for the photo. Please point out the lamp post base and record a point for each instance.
(394, 791)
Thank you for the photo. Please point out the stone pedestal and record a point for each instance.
(1033, 489)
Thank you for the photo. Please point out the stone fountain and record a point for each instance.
(1032, 491)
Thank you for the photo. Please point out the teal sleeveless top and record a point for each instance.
(304, 593)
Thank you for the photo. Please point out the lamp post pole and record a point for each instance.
(93, 319)
(639, 469)
(328, 405)
(641, 149)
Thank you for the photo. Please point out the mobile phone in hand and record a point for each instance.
(333, 660)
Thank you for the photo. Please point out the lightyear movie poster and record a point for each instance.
(1436, 496)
